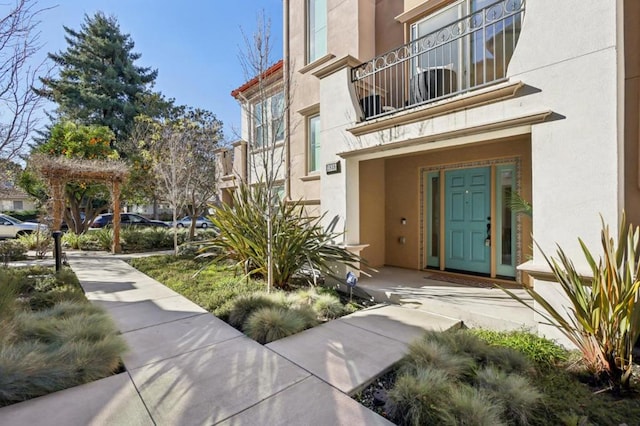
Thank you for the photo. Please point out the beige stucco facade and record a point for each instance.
(562, 111)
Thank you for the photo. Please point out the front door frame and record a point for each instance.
(426, 222)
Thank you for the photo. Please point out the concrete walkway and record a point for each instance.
(186, 367)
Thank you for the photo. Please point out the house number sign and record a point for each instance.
(332, 168)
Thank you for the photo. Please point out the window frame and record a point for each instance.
(314, 33)
(268, 121)
(313, 144)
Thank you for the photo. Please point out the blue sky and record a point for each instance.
(194, 44)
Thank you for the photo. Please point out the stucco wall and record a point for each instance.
(372, 211)
(403, 197)
(632, 110)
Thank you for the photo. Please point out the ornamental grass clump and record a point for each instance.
(244, 306)
(513, 392)
(470, 406)
(431, 353)
(414, 396)
(603, 319)
(54, 349)
(328, 306)
(268, 324)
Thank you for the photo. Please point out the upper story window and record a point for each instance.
(316, 29)
(479, 56)
(268, 121)
(313, 148)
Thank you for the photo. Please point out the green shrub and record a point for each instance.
(74, 241)
(605, 320)
(328, 306)
(243, 306)
(297, 241)
(538, 349)
(50, 350)
(40, 241)
(515, 394)
(103, 238)
(268, 324)
(430, 353)
(44, 300)
(11, 250)
(471, 407)
(416, 398)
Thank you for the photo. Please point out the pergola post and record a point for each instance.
(116, 247)
(57, 186)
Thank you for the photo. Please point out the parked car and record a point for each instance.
(126, 219)
(10, 227)
(201, 222)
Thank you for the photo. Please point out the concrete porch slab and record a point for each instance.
(310, 401)
(476, 306)
(149, 344)
(110, 401)
(214, 383)
(345, 356)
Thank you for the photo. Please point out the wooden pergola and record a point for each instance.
(58, 171)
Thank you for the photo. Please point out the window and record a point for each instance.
(268, 121)
(314, 144)
(316, 29)
(258, 117)
(17, 205)
(277, 116)
(479, 55)
(506, 221)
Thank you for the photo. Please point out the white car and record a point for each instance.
(10, 227)
(201, 222)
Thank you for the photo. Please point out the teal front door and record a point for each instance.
(467, 220)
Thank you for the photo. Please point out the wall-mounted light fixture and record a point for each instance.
(403, 221)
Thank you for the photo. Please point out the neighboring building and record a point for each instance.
(260, 153)
(13, 199)
(414, 121)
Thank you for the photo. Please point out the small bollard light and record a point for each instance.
(57, 249)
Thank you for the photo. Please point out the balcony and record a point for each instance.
(467, 54)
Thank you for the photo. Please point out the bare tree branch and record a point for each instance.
(19, 42)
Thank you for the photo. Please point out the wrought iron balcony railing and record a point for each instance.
(469, 53)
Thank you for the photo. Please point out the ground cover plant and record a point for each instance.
(210, 285)
(51, 337)
(482, 377)
(243, 302)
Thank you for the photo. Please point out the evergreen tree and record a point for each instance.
(99, 83)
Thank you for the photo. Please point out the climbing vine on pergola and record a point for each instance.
(58, 171)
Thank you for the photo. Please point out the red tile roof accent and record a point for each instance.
(268, 72)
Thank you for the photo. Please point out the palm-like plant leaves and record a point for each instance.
(604, 313)
(298, 240)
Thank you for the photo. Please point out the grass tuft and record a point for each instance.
(471, 407)
(429, 353)
(244, 306)
(514, 392)
(328, 306)
(413, 397)
(268, 324)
